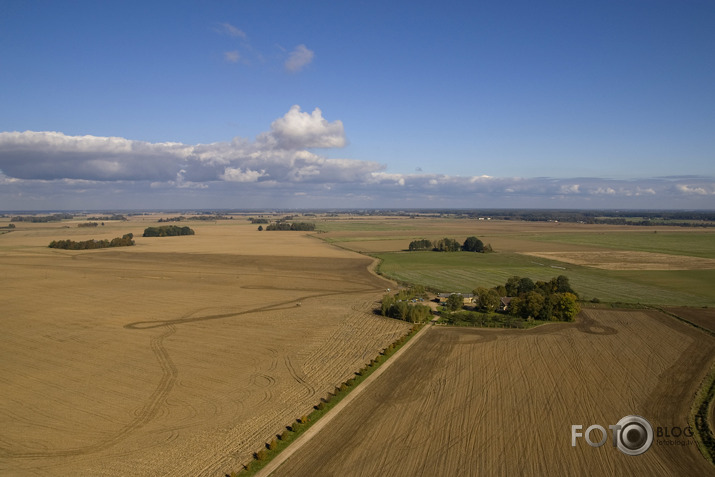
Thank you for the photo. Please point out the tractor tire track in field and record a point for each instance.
(169, 371)
(298, 378)
(145, 414)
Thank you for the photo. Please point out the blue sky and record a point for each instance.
(357, 104)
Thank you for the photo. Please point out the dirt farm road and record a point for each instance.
(315, 428)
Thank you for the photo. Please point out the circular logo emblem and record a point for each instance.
(634, 436)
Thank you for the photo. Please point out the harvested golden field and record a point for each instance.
(629, 260)
(497, 402)
(178, 356)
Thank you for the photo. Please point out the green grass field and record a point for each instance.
(464, 271)
(689, 243)
(362, 225)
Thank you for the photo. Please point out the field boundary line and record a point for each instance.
(320, 424)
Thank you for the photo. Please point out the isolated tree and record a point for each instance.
(526, 285)
(455, 302)
(447, 245)
(487, 299)
(566, 307)
(473, 244)
(422, 244)
(260, 228)
(561, 284)
(512, 286)
(533, 303)
(501, 290)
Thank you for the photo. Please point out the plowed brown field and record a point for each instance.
(179, 356)
(496, 402)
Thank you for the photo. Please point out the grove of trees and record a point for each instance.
(124, 241)
(404, 305)
(471, 244)
(553, 300)
(422, 244)
(291, 226)
(167, 231)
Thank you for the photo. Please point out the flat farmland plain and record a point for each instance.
(658, 265)
(178, 356)
(498, 402)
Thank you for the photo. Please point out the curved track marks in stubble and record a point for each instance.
(146, 413)
(169, 371)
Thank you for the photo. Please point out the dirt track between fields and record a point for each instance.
(485, 402)
(315, 428)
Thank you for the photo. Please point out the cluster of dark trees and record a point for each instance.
(405, 305)
(422, 244)
(554, 300)
(471, 244)
(291, 226)
(259, 220)
(88, 224)
(167, 231)
(124, 241)
(42, 219)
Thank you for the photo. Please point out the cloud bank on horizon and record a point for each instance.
(280, 168)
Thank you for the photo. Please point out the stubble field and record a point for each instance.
(183, 355)
(178, 356)
(496, 402)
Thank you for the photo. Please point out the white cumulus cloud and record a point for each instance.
(235, 174)
(298, 130)
(50, 169)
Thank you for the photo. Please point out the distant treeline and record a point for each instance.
(181, 218)
(294, 226)
(88, 224)
(167, 231)
(108, 217)
(610, 217)
(685, 218)
(41, 219)
(472, 244)
(259, 220)
(124, 241)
